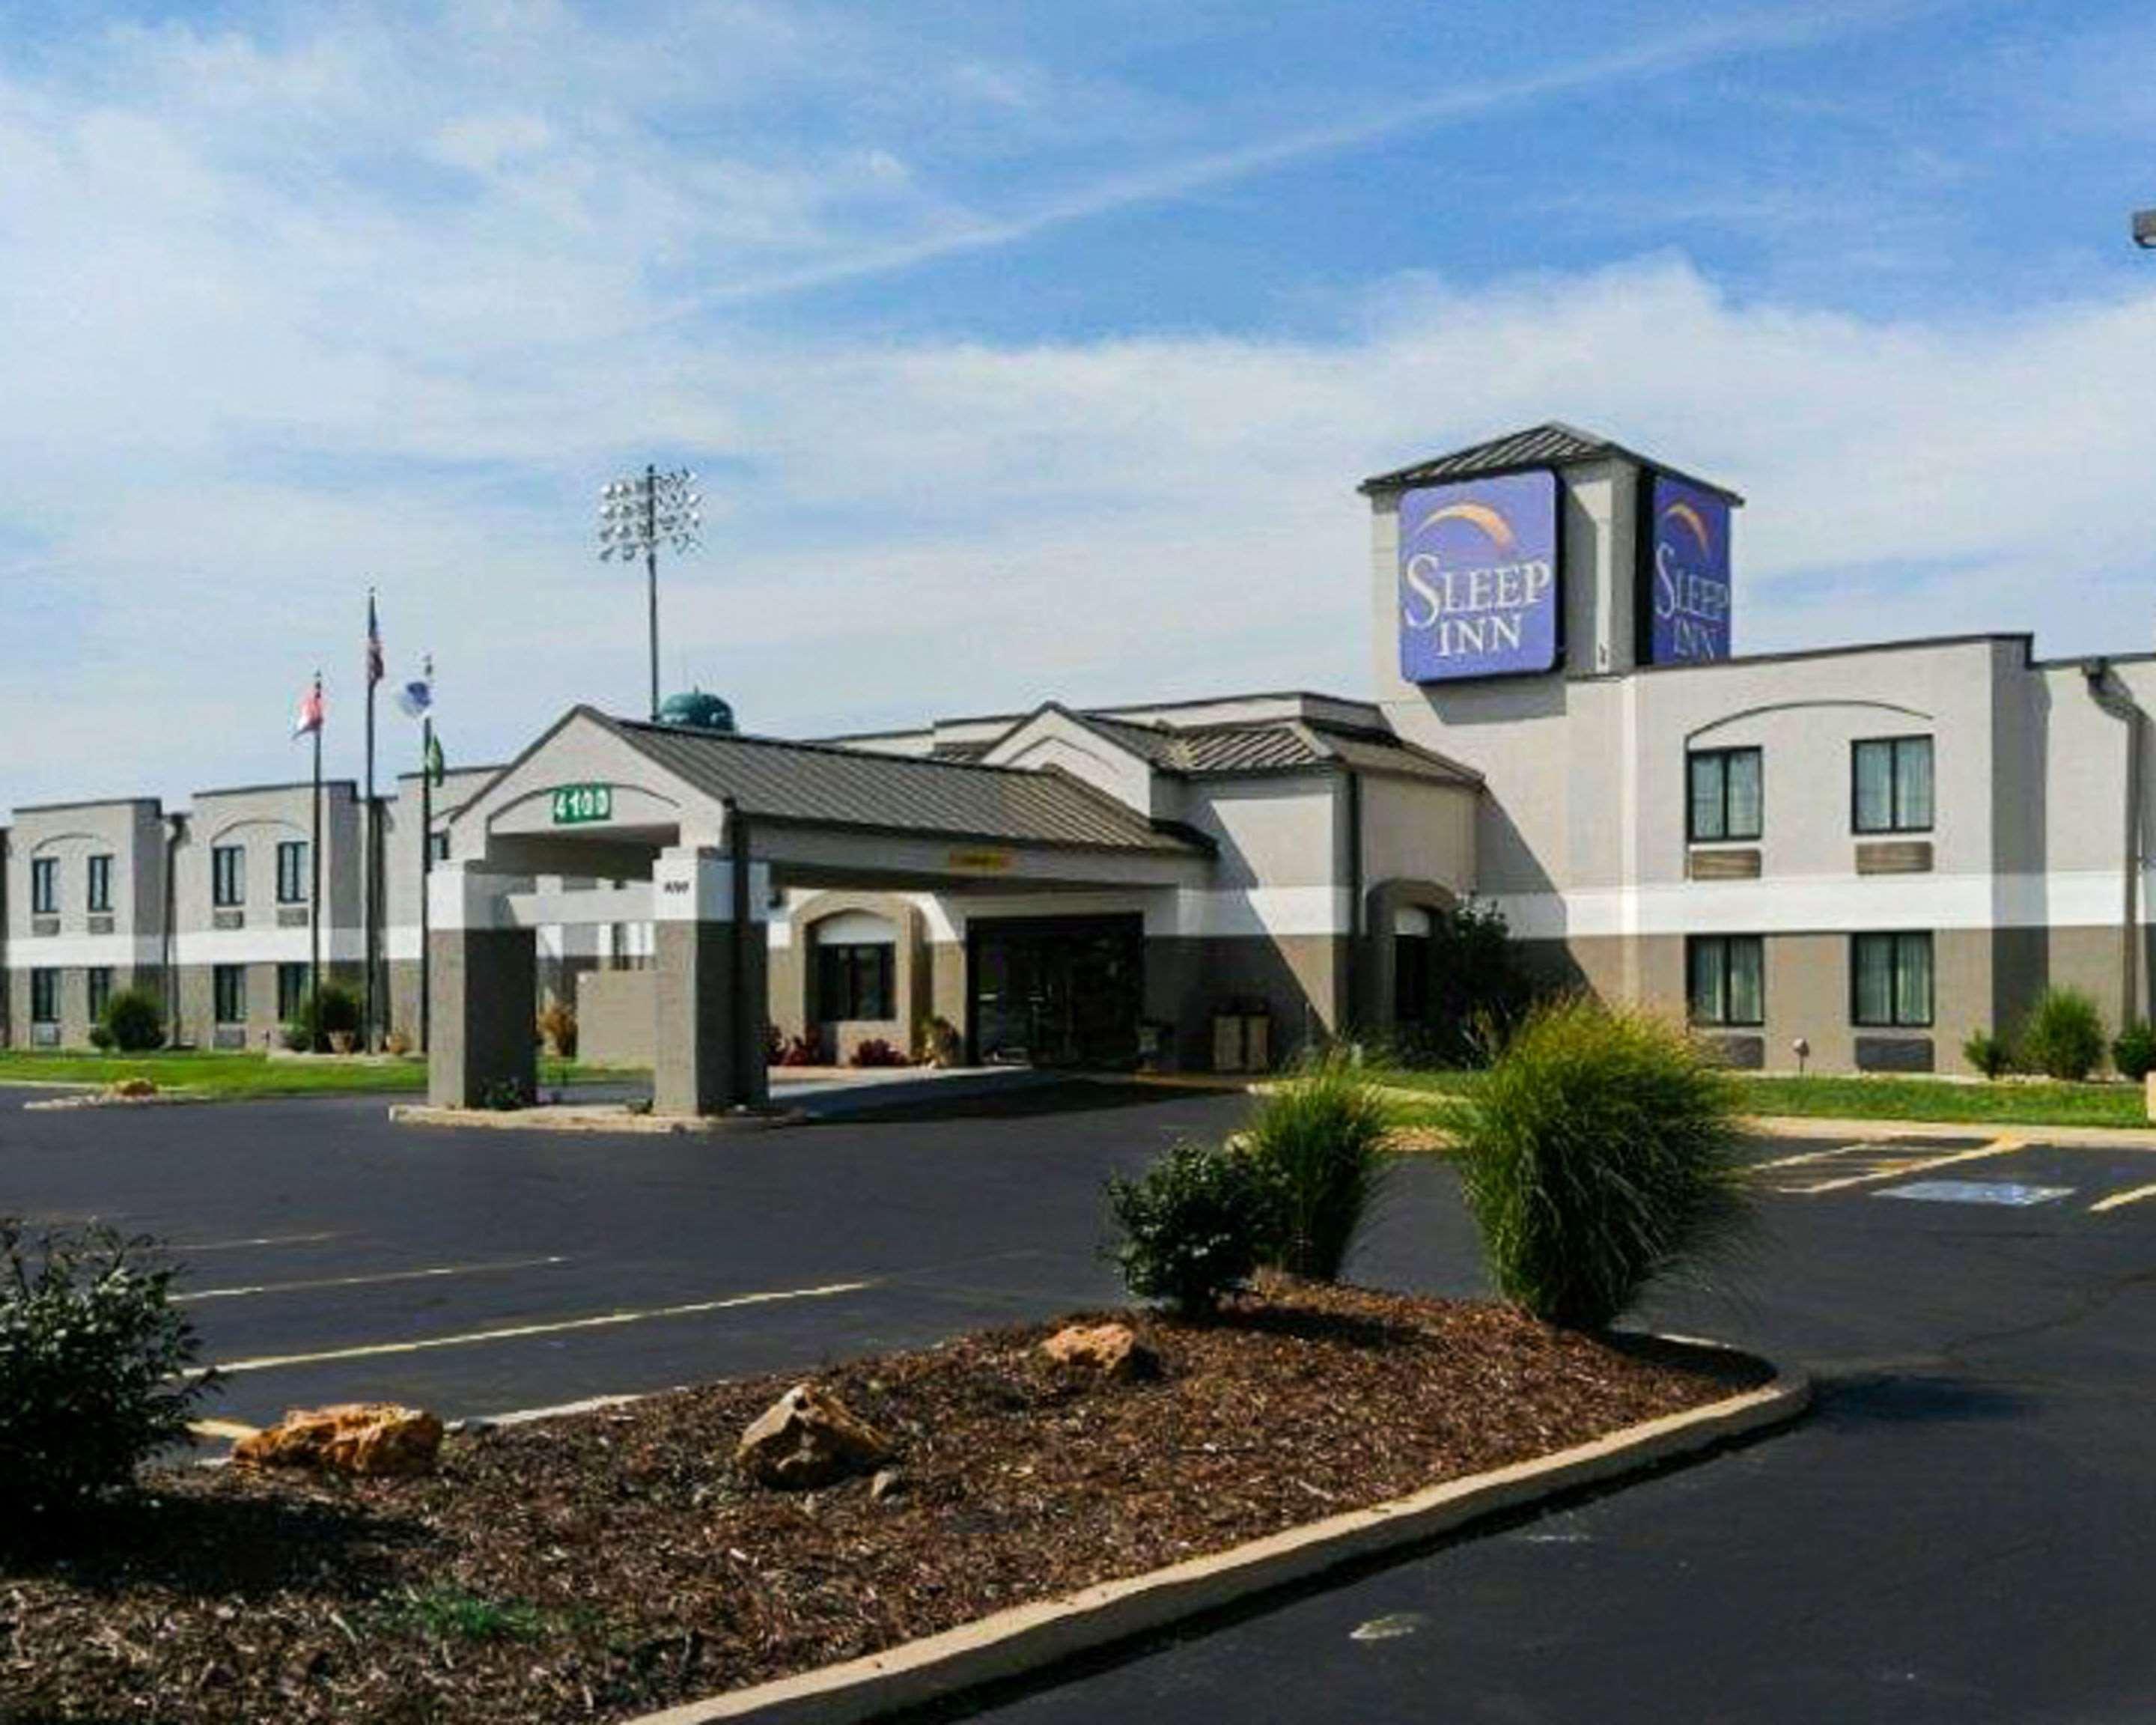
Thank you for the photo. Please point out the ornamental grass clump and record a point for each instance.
(1600, 1153)
(1318, 1144)
(93, 1355)
(2062, 1036)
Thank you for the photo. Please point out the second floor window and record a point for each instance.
(1891, 788)
(44, 886)
(100, 883)
(1726, 799)
(292, 872)
(228, 876)
(437, 847)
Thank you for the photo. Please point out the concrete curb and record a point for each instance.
(574, 1119)
(1028, 1638)
(98, 1099)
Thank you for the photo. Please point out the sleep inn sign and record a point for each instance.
(1479, 591)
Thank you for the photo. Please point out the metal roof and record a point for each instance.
(1276, 745)
(825, 784)
(1552, 443)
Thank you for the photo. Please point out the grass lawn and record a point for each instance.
(240, 1075)
(2011, 1103)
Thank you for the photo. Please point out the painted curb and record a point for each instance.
(1028, 1638)
(546, 1120)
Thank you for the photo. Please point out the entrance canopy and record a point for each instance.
(599, 797)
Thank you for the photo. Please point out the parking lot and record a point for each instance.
(1963, 1531)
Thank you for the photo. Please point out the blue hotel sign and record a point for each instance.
(1687, 598)
(1479, 591)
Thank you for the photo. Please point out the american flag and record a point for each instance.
(374, 671)
(312, 710)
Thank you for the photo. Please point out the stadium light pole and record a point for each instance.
(637, 515)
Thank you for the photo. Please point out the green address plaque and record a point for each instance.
(577, 805)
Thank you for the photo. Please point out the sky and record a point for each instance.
(1024, 350)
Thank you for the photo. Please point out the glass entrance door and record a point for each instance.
(1056, 991)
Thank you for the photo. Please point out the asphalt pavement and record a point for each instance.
(1964, 1531)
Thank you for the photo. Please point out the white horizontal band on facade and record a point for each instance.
(1825, 904)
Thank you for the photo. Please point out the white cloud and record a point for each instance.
(276, 321)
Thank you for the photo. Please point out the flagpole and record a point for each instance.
(426, 868)
(371, 892)
(315, 893)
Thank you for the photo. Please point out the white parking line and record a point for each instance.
(234, 1246)
(2118, 1198)
(361, 1281)
(517, 1332)
(2003, 1147)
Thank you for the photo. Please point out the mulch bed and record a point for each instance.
(601, 1565)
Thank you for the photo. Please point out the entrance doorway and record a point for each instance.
(1056, 991)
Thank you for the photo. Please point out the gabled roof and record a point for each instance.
(810, 783)
(1275, 746)
(1552, 443)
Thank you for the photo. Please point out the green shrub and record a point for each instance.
(2063, 1035)
(1601, 1152)
(334, 1011)
(1317, 1142)
(100, 1038)
(91, 1349)
(1988, 1054)
(2133, 1050)
(1190, 1225)
(135, 1020)
(1478, 988)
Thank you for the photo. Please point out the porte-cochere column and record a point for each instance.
(482, 979)
(709, 945)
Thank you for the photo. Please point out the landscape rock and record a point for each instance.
(1111, 1351)
(132, 1088)
(808, 1438)
(889, 1482)
(375, 1438)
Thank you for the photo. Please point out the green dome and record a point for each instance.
(697, 711)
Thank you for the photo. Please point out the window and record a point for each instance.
(100, 883)
(98, 979)
(854, 981)
(44, 997)
(1890, 979)
(291, 872)
(228, 982)
(44, 886)
(1725, 801)
(291, 992)
(1890, 789)
(228, 875)
(1728, 979)
(437, 847)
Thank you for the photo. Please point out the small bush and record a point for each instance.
(938, 1043)
(2133, 1050)
(1479, 989)
(506, 1095)
(874, 1051)
(1988, 1054)
(1190, 1225)
(558, 1028)
(1600, 1153)
(1317, 1141)
(334, 1012)
(100, 1038)
(2063, 1035)
(134, 1021)
(91, 1353)
(806, 1049)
